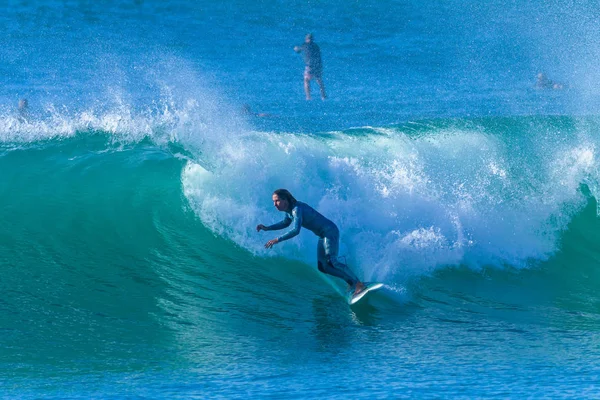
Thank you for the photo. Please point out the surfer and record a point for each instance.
(314, 65)
(300, 215)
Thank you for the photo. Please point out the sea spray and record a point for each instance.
(455, 193)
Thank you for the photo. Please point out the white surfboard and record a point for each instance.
(370, 287)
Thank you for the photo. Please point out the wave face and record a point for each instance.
(126, 251)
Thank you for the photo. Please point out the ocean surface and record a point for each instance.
(133, 181)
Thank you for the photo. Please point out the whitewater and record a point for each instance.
(133, 183)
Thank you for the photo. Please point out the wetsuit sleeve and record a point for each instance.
(280, 225)
(296, 226)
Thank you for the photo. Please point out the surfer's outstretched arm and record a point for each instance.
(297, 225)
(275, 227)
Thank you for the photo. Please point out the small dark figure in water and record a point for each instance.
(314, 65)
(23, 110)
(544, 83)
(246, 110)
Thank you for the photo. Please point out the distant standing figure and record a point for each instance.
(544, 83)
(314, 65)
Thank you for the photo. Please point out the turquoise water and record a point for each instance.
(130, 263)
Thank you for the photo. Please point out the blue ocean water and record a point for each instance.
(133, 182)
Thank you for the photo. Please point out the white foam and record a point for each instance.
(405, 205)
(163, 98)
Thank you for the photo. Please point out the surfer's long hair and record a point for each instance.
(286, 195)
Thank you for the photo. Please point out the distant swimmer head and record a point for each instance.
(23, 104)
(283, 200)
(308, 38)
(542, 79)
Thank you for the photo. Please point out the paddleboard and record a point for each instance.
(370, 287)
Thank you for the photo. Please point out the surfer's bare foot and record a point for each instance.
(359, 288)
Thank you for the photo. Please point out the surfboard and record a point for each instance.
(370, 287)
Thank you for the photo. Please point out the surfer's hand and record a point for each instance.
(270, 243)
(259, 227)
